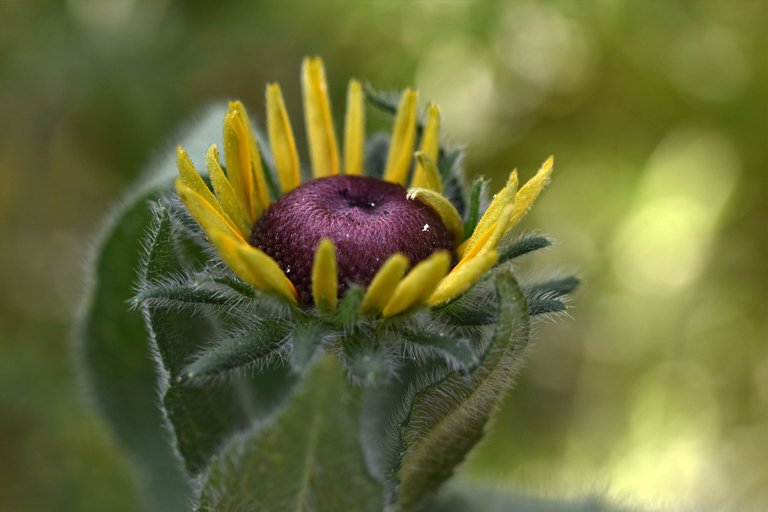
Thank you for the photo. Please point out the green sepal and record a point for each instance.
(376, 150)
(347, 312)
(523, 246)
(179, 293)
(365, 360)
(542, 306)
(477, 191)
(306, 458)
(476, 307)
(451, 166)
(560, 286)
(306, 338)
(386, 101)
(447, 416)
(548, 296)
(454, 349)
(257, 347)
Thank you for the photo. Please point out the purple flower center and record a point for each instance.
(367, 219)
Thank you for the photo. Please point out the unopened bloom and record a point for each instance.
(307, 242)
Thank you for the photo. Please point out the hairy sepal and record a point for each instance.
(447, 416)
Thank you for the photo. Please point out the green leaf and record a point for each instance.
(307, 458)
(448, 416)
(117, 364)
(523, 246)
(202, 418)
(115, 358)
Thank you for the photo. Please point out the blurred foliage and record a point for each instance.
(657, 112)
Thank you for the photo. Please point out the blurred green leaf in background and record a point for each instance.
(656, 388)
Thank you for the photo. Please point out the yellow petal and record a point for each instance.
(419, 284)
(383, 285)
(252, 265)
(427, 175)
(354, 129)
(225, 193)
(403, 139)
(281, 140)
(207, 216)
(324, 277)
(192, 179)
(461, 279)
(530, 191)
(490, 239)
(430, 144)
(323, 149)
(500, 201)
(259, 191)
(443, 207)
(243, 161)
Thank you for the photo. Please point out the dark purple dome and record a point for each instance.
(367, 219)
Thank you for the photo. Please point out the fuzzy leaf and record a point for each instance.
(115, 357)
(307, 458)
(202, 418)
(116, 360)
(448, 416)
(523, 246)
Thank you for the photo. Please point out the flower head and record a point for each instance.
(308, 242)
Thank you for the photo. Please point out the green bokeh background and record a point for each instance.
(654, 389)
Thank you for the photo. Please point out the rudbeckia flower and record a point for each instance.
(395, 234)
(339, 330)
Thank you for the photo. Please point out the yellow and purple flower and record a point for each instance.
(308, 242)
